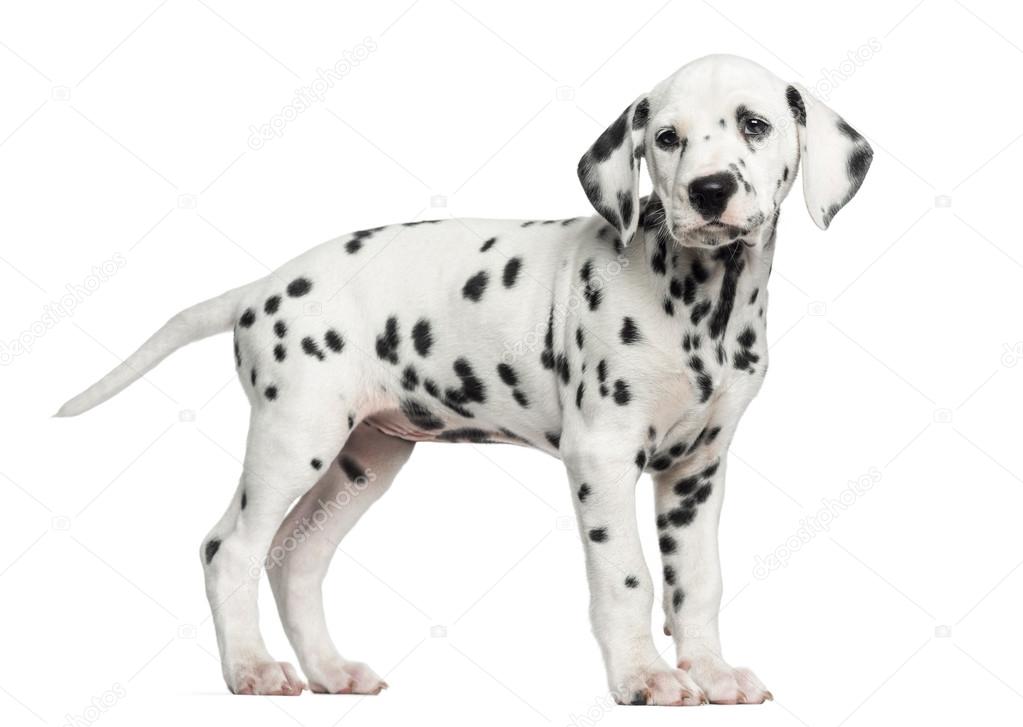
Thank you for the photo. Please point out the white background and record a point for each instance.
(126, 169)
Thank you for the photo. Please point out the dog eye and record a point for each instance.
(755, 127)
(667, 138)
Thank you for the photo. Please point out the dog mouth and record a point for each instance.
(709, 233)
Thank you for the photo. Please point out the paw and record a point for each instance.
(344, 677)
(659, 686)
(277, 678)
(724, 685)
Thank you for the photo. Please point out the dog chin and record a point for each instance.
(709, 235)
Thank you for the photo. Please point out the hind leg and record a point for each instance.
(306, 542)
(282, 442)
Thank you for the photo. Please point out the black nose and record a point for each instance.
(710, 194)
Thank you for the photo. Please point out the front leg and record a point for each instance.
(603, 471)
(688, 499)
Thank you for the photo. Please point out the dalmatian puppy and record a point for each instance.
(627, 342)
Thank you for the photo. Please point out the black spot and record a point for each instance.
(420, 416)
(252, 376)
(488, 244)
(676, 599)
(622, 396)
(511, 271)
(211, 550)
(299, 287)
(689, 290)
(703, 493)
(474, 286)
(351, 420)
(641, 458)
(753, 297)
(272, 304)
(675, 288)
(388, 341)
(579, 338)
(638, 698)
(641, 114)
(631, 582)
(669, 306)
(247, 319)
(598, 535)
(630, 331)
(431, 388)
(280, 329)
(353, 471)
(315, 463)
(712, 434)
(659, 261)
(554, 438)
(667, 544)
(237, 353)
(584, 492)
(466, 434)
(311, 348)
(422, 338)
(334, 341)
(610, 139)
(669, 575)
(245, 499)
(270, 392)
(591, 292)
(355, 244)
(699, 272)
(857, 166)
(686, 486)
(659, 464)
(520, 398)
(796, 105)
(579, 395)
(547, 355)
(472, 388)
(734, 265)
(700, 311)
(279, 352)
(678, 449)
(710, 470)
(561, 364)
(681, 516)
(706, 385)
(409, 379)
(507, 374)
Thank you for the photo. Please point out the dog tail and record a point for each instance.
(216, 315)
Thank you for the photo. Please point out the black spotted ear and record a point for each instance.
(835, 158)
(609, 170)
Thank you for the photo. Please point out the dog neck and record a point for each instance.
(710, 290)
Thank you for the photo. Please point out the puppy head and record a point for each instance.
(722, 139)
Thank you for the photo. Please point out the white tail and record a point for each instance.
(205, 319)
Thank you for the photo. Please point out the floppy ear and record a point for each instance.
(609, 170)
(835, 157)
